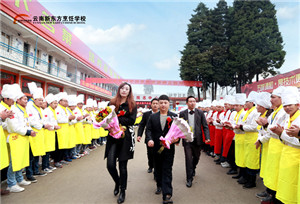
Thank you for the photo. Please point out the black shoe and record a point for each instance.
(189, 183)
(249, 185)
(168, 199)
(242, 180)
(39, 174)
(121, 198)
(32, 179)
(149, 170)
(116, 190)
(217, 160)
(261, 195)
(232, 172)
(236, 176)
(268, 199)
(158, 191)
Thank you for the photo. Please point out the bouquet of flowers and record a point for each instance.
(103, 114)
(108, 119)
(179, 129)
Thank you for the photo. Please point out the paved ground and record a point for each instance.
(86, 180)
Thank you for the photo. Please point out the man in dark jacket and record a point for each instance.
(142, 125)
(158, 125)
(192, 150)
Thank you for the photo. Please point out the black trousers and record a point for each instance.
(231, 156)
(112, 168)
(58, 154)
(163, 164)
(150, 157)
(192, 155)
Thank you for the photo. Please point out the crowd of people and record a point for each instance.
(58, 128)
(254, 135)
(258, 135)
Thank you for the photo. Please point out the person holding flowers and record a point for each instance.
(122, 148)
(158, 125)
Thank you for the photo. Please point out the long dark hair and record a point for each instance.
(117, 99)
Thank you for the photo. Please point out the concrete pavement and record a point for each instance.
(86, 180)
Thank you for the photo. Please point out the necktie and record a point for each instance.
(191, 112)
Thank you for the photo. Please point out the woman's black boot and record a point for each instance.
(121, 198)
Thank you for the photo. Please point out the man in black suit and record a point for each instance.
(142, 125)
(158, 125)
(192, 150)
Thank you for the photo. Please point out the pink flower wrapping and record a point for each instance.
(179, 129)
(111, 122)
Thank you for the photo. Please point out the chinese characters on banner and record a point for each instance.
(288, 79)
(38, 19)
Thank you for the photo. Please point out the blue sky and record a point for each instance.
(143, 39)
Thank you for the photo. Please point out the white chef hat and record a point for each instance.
(80, 98)
(200, 104)
(220, 102)
(7, 91)
(32, 87)
(62, 95)
(214, 103)
(17, 92)
(95, 104)
(252, 96)
(240, 99)
(207, 103)
(72, 100)
(278, 91)
(89, 103)
(290, 96)
(50, 98)
(263, 99)
(229, 99)
(38, 93)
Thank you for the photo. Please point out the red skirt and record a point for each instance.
(218, 140)
(212, 135)
(228, 136)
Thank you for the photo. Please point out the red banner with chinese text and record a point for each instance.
(145, 82)
(268, 85)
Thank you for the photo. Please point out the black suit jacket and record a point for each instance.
(200, 120)
(143, 123)
(154, 130)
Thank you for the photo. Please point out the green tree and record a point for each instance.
(195, 62)
(256, 45)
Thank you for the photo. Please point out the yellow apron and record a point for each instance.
(87, 134)
(299, 184)
(95, 133)
(4, 158)
(79, 133)
(252, 155)
(272, 164)
(19, 151)
(63, 136)
(49, 140)
(288, 176)
(5, 133)
(264, 157)
(239, 150)
(138, 120)
(103, 132)
(72, 138)
(37, 143)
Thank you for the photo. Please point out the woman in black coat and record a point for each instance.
(123, 148)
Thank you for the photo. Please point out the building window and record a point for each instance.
(38, 57)
(25, 81)
(7, 78)
(53, 89)
(5, 39)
